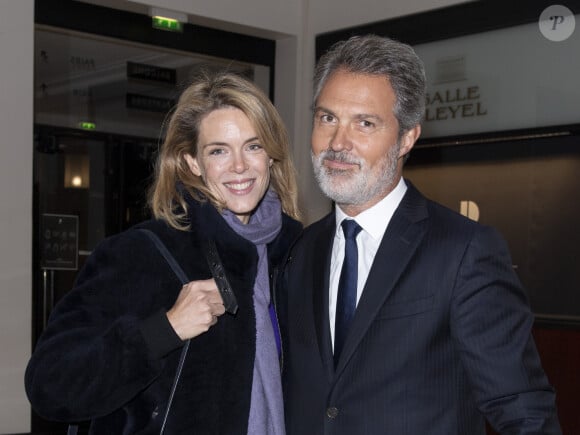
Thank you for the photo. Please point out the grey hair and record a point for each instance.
(376, 55)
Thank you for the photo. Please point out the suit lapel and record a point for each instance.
(320, 285)
(402, 237)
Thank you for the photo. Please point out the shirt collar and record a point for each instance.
(375, 220)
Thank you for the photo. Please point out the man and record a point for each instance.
(427, 331)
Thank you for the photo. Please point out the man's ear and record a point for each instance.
(408, 140)
(193, 164)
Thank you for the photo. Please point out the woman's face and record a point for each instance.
(232, 161)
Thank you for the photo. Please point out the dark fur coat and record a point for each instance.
(109, 353)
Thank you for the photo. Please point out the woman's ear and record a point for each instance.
(193, 164)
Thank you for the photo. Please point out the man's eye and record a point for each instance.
(366, 124)
(326, 119)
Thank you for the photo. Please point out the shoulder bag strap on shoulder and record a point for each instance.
(183, 278)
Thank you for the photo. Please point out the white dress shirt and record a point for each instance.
(374, 222)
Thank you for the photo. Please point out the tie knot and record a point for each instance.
(350, 228)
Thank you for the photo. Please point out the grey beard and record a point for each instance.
(346, 188)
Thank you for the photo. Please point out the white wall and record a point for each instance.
(16, 71)
(292, 23)
(366, 11)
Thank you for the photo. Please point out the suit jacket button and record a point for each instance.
(332, 412)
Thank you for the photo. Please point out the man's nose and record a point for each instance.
(340, 139)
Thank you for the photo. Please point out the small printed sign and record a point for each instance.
(151, 73)
(59, 242)
(150, 104)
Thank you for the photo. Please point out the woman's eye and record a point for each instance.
(216, 151)
(255, 147)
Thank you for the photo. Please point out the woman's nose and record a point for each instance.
(239, 163)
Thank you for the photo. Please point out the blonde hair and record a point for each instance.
(209, 92)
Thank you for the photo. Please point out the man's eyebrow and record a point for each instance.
(358, 116)
(323, 109)
(367, 116)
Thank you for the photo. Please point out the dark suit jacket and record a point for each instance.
(441, 337)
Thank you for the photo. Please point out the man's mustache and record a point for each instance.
(339, 156)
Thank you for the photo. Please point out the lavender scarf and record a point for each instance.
(266, 407)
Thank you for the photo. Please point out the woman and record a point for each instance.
(111, 349)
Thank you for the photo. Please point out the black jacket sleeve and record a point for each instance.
(109, 337)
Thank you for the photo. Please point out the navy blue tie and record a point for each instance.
(346, 299)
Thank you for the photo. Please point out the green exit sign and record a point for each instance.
(164, 23)
(87, 125)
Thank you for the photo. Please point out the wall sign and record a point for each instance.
(493, 69)
(507, 79)
(151, 73)
(148, 103)
(59, 242)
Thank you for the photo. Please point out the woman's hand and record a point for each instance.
(196, 309)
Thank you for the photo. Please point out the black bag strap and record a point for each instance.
(184, 280)
(167, 255)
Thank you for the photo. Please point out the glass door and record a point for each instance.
(87, 186)
(100, 107)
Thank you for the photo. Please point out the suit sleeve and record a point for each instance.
(106, 340)
(491, 323)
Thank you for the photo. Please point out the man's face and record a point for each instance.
(356, 150)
